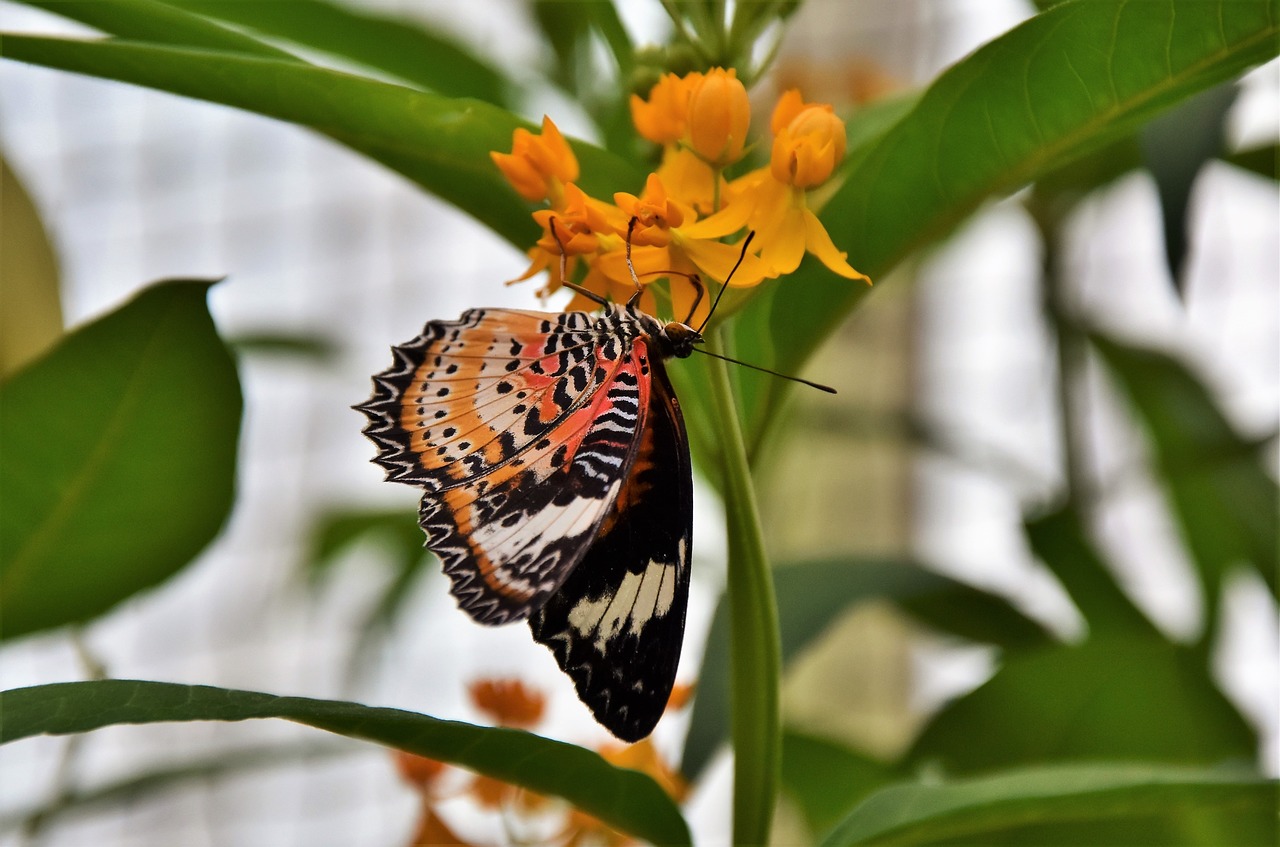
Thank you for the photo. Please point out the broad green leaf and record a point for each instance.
(30, 303)
(624, 799)
(1058, 540)
(812, 594)
(154, 21)
(441, 143)
(407, 50)
(984, 807)
(826, 780)
(119, 452)
(1127, 697)
(1062, 84)
(1218, 487)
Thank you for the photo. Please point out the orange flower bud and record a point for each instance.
(538, 165)
(789, 105)
(719, 116)
(662, 117)
(508, 702)
(808, 148)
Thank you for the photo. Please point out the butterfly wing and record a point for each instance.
(617, 623)
(521, 427)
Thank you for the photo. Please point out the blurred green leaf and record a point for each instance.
(1219, 490)
(576, 31)
(1058, 540)
(1060, 85)
(119, 451)
(293, 345)
(1127, 698)
(30, 303)
(441, 143)
(408, 50)
(149, 20)
(826, 780)
(566, 30)
(984, 807)
(398, 531)
(811, 595)
(624, 799)
(1176, 146)
(338, 529)
(1263, 161)
(158, 781)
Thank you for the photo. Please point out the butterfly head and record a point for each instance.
(678, 339)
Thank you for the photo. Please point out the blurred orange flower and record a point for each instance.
(508, 702)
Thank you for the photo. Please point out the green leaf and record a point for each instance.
(1263, 161)
(932, 812)
(1058, 540)
(30, 303)
(1220, 491)
(336, 530)
(1176, 146)
(405, 49)
(405, 556)
(812, 594)
(301, 346)
(1129, 698)
(119, 454)
(148, 20)
(826, 780)
(441, 143)
(1060, 85)
(156, 781)
(624, 799)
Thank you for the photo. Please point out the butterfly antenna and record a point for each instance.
(746, 243)
(800, 380)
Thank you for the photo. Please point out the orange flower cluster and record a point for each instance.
(679, 223)
(509, 702)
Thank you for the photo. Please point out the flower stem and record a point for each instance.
(755, 651)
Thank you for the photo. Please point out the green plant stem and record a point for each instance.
(755, 650)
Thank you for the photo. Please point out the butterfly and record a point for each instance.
(557, 486)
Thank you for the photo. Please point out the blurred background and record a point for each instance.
(944, 433)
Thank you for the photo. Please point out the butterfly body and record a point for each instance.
(557, 486)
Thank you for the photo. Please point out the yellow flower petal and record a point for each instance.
(688, 178)
(716, 260)
(819, 243)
